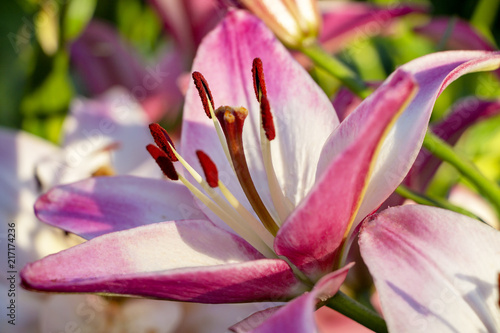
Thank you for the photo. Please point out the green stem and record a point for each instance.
(484, 13)
(484, 18)
(445, 152)
(406, 192)
(447, 34)
(357, 311)
(337, 69)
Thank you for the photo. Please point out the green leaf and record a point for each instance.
(78, 13)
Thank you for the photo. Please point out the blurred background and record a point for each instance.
(53, 51)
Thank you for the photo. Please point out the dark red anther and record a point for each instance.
(165, 164)
(259, 85)
(204, 92)
(209, 169)
(267, 118)
(162, 140)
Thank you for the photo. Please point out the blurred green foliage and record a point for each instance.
(36, 85)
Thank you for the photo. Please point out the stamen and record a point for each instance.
(240, 229)
(165, 164)
(259, 84)
(162, 140)
(205, 95)
(250, 230)
(204, 92)
(267, 118)
(231, 121)
(281, 203)
(209, 168)
(104, 170)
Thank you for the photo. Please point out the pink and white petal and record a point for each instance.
(102, 205)
(345, 101)
(20, 153)
(115, 117)
(463, 36)
(463, 196)
(298, 315)
(110, 131)
(164, 99)
(303, 115)
(189, 260)
(433, 73)
(464, 114)
(20, 186)
(435, 270)
(188, 21)
(255, 320)
(312, 236)
(344, 22)
(103, 60)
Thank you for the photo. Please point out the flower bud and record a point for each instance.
(295, 22)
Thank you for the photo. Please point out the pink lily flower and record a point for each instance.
(104, 60)
(435, 270)
(96, 138)
(314, 180)
(188, 21)
(463, 114)
(345, 22)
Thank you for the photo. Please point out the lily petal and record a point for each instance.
(254, 320)
(298, 315)
(463, 196)
(312, 235)
(433, 73)
(101, 205)
(408, 251)
(344, 22)
(103, 61)
(188, 21)
(303, 115)
(462, 37)
(190, 260)
(109, 131)
(463, 115)
(20, 154)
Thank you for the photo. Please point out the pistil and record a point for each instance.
(231, 121)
